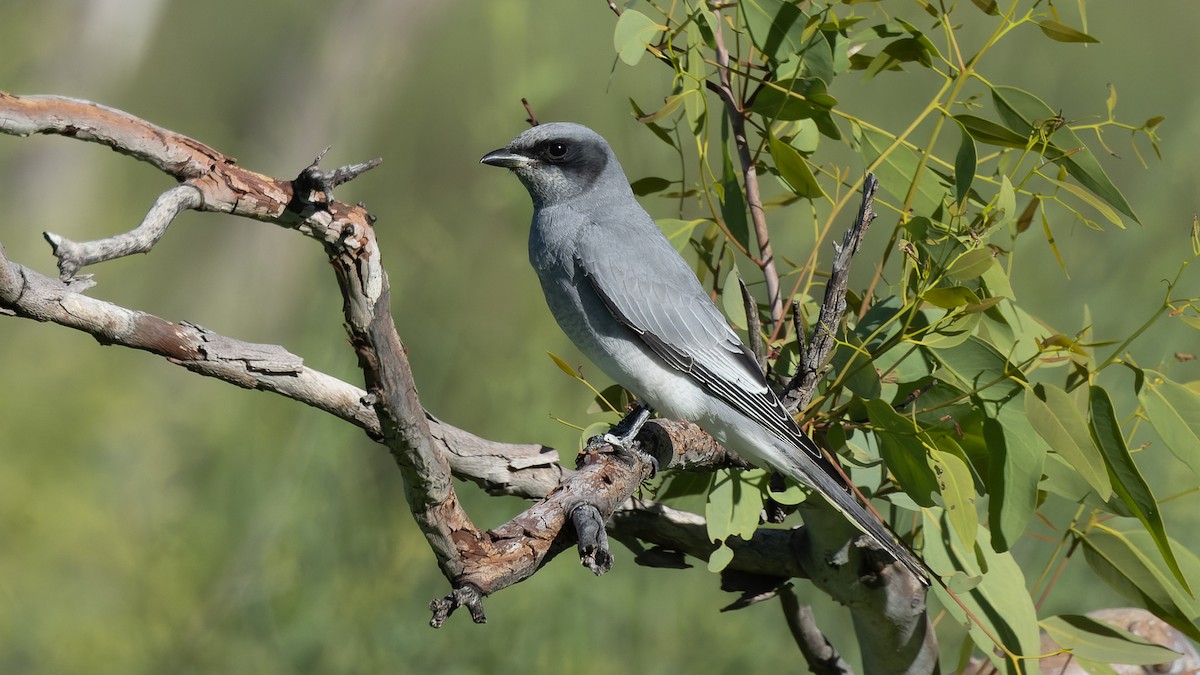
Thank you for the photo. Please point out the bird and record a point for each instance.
(626, 298)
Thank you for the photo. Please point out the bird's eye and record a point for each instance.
(556, 151)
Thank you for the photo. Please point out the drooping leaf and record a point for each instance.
(852, 364)
(1056, 419)
(649, 185)
(775, 26)
(1091, 200)
(731, 300)
(1025, 113)
(964, 165)
(1000, 604)
(1095, 640)
(794, 99)
(563, 365)
(905, 450)
(793, 168)
(633, 32)
(987, 131)
(1060, 32)
(1124, 560)
(1016, 455)
(733, 206)
(1127, 481)
(670, 105)
(898, 170)
(1174, 412)
(971, 264)
(957, 490)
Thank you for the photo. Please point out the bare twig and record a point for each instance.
(799, 391)
(819, 653)
(737, 121)
(753, 326)
(533, 118)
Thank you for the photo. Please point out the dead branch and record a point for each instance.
(427, 451)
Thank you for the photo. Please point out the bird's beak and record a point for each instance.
(506, 159)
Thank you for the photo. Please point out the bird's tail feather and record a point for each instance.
(845, 502)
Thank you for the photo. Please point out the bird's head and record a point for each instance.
(558, 161)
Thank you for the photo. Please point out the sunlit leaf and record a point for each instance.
(1095, 640)
(957, 490)
(794, 99)
(950, 297)
(775, 27)
(563, 365)
(1000, 603)
(1091, 200)
(670, 105)
(794, 169)
(1123, 561)
(971, 264)
(1127, 480)
(731, 301)
(1016, 455)
(633, 32)
(1055, 417)
(1174, 412)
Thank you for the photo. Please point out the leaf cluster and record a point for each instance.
(947, 400)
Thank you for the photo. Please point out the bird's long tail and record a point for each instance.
(845, 502)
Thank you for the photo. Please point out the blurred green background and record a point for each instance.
(155, 521)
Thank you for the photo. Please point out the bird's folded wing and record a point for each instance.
(668, 309)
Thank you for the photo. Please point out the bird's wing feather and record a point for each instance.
(673, 316)
(670, 312)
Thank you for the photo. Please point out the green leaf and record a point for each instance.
(964, 165)
(795, 99)
(633, 33)
(649, 185)
(776, 27)
(1127, 481)
(794, 169)
(1095, 640)
(1024, 113)
(733, 205)
(957, 490)
(987, 131)
(905, 450)
(950, 297)
(1091, 200)
(1000, 604)
(852, 364)
(972, 264)
(980, 367)
(898, 170)
(564, 366)
(1016, 455)
(670, 105)
(1056, 419)
(987, 6)
(1121, 559)
(1174, 412)
(1060, 32)
(731, 300)
(720, 558)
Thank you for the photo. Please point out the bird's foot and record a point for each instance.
(623, 434)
